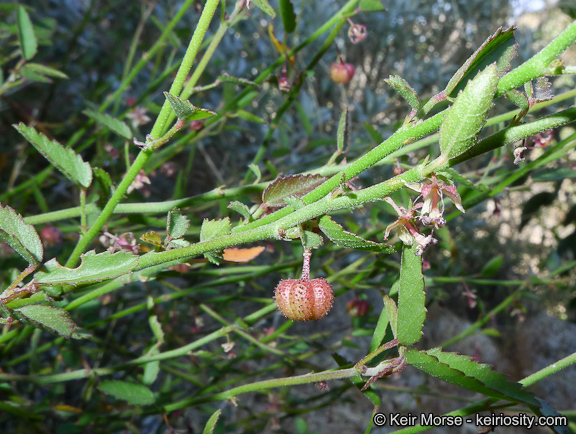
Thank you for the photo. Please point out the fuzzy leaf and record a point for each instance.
(65, 159)
(392, 311)
(21, 236)
(48, 318)
(465, 372)
(177, 224)
(212, 229)
(265, 6)
(240, 208)
(499, 47)
(211, 424)
(94, 268)
(467, 116)
(287, 14)
(225, 78)
(113, 124)
(134, 394)
(310, 240)
(411, 297)
(405, 90)
(291, 185)
(342, 131)
(380, 330)
(44, 70)
(26, 35)
(518, 98)
(186, 111)
(343, 238)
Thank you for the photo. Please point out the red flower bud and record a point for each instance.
(358, 307)
(304, 299)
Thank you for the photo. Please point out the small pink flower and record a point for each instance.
(407, 231)
(138, 116)
(139, 182)
(357, 32)
(433, 192)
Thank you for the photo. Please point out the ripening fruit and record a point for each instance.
(341, 72)
(304, 299)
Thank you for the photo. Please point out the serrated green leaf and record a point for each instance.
(240, 208)
(30, 75)
(371, 6)
(45, 70)
(21, 236)
(310, 240)
(177, 224)
(546, 410)
(211, 424)
(265, 6)
(134, 394)
(49, 318)
(212, 229)
(380, 330)
(26, 35)
(186, 111)
(64, 159)
(342, 130)
(411, 297)
(518, 98)
(152, 238)
(499, 48)
(467, 116)
(493, 266)
(107, 121)
(225, 78)
(287, 14)
(291, 185)
(405, 90)
(465, 372)
(342, 238)
(392, 311)
(94, 268)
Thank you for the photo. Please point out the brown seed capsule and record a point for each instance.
(304, 299)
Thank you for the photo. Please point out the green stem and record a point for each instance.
(537, 65)
(549, 370)
(144, 155)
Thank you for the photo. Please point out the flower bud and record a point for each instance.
(358, 307)
(304, 299)
(341, 72)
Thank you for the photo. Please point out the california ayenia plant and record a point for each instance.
(171, 271)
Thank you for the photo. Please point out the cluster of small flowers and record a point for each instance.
(429, 212)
